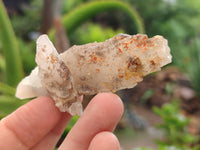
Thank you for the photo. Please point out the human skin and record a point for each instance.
(39, 125)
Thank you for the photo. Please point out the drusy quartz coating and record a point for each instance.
(117, 63)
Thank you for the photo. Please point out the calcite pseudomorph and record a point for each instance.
(117, 63)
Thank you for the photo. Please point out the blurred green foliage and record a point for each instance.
(169, 88)
(85, 11)
(147, 95)
(194, 67)
(166, 148)
(94, 32)
(175, 128)
(27, 51)
(13, 69)
(23, 25)
(2, 64)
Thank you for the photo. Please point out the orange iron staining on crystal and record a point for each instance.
(117, 63)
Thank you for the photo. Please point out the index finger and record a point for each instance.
(102, 114)
(29, 124)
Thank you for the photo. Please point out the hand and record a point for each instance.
(38, 125)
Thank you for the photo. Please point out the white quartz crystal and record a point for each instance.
(118, 63)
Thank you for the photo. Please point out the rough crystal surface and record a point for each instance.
(117, 63)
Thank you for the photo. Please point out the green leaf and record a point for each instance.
(147, 95)
(8, 104)
(88, 10)
(6, 89)
(2, 63)
(14, 71)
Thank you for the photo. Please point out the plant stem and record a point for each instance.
(88, 10)
(14, 71)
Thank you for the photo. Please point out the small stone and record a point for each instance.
(187, 93)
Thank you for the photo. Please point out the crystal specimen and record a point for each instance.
(118, 63)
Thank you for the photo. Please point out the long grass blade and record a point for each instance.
(8, 104)
(6, 89)
(14, 71)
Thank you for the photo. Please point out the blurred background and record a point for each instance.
(163, 111)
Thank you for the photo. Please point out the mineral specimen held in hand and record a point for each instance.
(118, 63)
